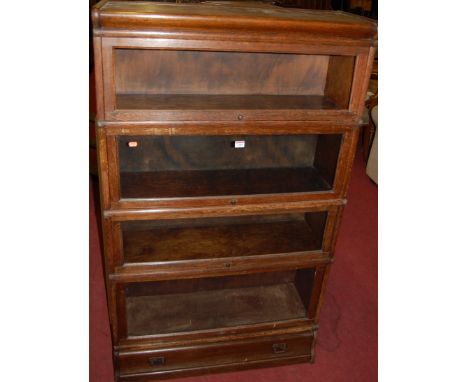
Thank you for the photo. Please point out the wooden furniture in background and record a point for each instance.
(225, 136)
(369, 128)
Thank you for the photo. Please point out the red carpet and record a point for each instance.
(347, 341)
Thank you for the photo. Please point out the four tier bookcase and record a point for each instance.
(226, 133)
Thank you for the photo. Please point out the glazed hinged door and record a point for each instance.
(206, 82)
(226, 169)
(176, 247)
(211, 304)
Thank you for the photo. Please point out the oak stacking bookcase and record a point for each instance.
(226, 133)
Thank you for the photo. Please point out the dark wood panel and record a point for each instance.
(220, 238)
(204, 221)
(220, 182)
(219, 353)
(326, 156)
(340, 80)
(208, 283)
(212, 309)
(198, 152)
(223, 102)
(154, 71)
(186, 372)
(304, 281)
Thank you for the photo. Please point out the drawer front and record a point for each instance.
(239, 352)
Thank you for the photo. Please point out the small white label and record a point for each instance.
(239, 144)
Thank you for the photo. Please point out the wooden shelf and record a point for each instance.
(183, 184)
(223, 102)
(199, 310)
(222, 237)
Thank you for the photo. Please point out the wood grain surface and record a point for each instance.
(212, 309)
(215, 258)
(220, 237)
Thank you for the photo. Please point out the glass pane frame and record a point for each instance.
(162, 246)
(228, 137)
(162, 167)
(304, 284)
(345, 65)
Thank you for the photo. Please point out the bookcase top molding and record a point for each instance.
(229, 16)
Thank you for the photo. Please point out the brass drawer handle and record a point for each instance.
(280, 348)
(157, 361)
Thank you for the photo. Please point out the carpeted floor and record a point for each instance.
(347, 342)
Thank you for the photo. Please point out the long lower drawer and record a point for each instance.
(237, 353)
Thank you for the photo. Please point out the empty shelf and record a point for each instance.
(211, 309)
